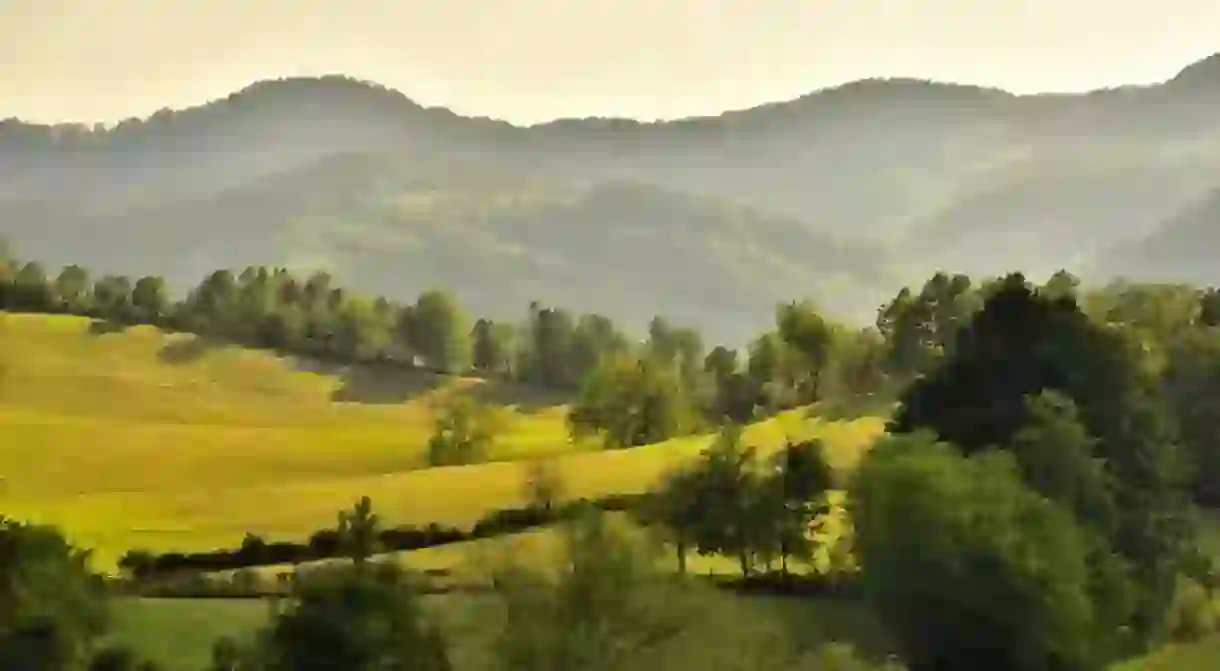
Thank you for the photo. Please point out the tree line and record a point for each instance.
(631, 392)
(550, 347)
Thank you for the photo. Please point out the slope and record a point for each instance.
(1182, 249)
(138, 439)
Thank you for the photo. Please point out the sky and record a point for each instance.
(534, 60)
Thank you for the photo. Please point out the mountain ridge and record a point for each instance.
(1205, 70)
(843, 193)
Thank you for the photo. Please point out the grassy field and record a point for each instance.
(178, 633)
(139, 439)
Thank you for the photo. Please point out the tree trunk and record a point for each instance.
(681, 549)
(744, 557)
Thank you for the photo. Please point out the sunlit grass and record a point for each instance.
(139, 439)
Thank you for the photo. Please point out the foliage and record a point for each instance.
(602, 605)
(358, 530)
(630, 403)
(1192, 383)
(464, 433)
(1023, 342)
(1194, 613)
(357, 620)
(1003, 579)
(53, 610)
(118, 658)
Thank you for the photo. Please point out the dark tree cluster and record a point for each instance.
(1036, 480)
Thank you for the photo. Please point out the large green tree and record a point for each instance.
(1023, 342)
(967, 567)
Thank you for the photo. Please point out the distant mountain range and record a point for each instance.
(842, 195)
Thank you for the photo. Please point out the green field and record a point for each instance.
(139, 439)
(178, 633)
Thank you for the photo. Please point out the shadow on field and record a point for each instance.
(101, 327)
(525, 398)
(382, 386)
(186, 350)
(390, 384)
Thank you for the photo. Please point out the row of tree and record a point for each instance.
(551, 347)
(636, 392)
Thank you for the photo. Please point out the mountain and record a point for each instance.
(841, 194)
(1184, 249)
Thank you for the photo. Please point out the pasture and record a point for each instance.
(140, 439)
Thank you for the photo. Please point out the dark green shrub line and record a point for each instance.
(327, 543)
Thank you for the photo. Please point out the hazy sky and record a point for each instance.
(530, 60)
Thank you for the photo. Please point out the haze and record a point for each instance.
(527, 61)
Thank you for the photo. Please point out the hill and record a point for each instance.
(138, 439)
(840, 193)
(1181, 250)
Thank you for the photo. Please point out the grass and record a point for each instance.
(1201, 655)
(139, 439)
(178, 634)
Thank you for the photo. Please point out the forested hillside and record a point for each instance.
(842, 194)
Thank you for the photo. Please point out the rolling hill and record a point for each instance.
(841, 194)
(142, 439)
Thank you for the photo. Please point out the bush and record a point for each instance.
(1001, 577)
(354, 617)
(1193, 614)
(144, 567)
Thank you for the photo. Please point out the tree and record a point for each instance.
(630, 402)
(734, 518)
(30, 290)
(859, 362)
(968, 568)
(149, 300)
(920, 328)
(1192, 382)
(720, 363)
(1062, 284)
(112, 298)
(463, 433)
(764, 366)
(798, 483)
(354, 620)
(552, 350)
(358, 531)
(1021, 343)
(810, 337)
(53, 609)
(594, 339)
(490, 346)
(604, 606)
(437, 332)
(1209, 308)
(360, 333)
(1054, 453)
(72, 286)
(676, 507)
